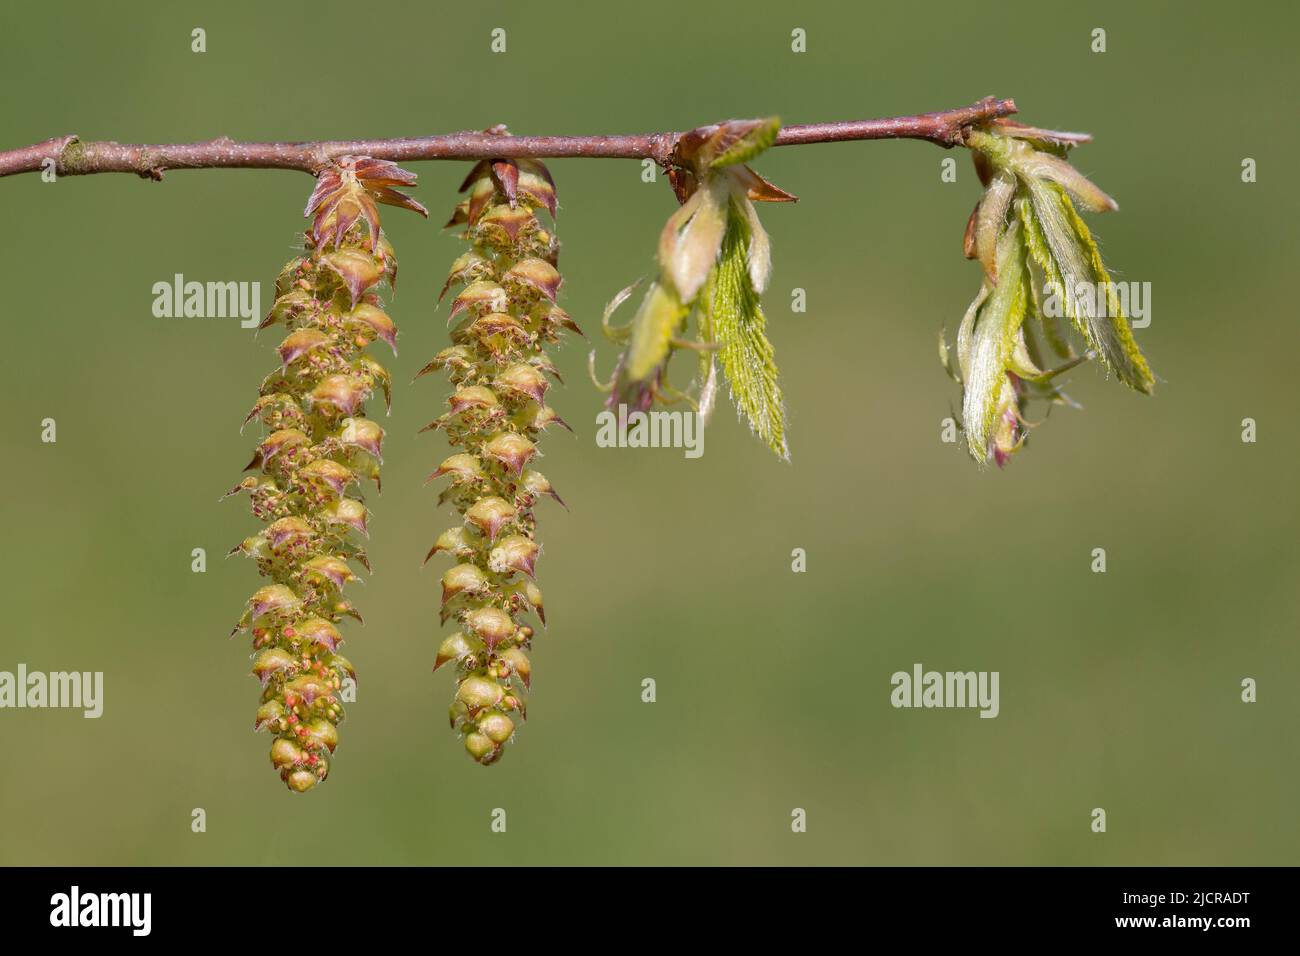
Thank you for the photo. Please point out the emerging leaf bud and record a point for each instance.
(1027, 217)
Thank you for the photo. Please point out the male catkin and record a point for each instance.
(505, 317)
(320, 444)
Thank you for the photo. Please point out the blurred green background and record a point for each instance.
(1118, 690)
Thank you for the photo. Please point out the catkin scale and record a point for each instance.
(504, 317)
(318, 449)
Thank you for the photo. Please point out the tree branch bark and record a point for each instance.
(74, 158)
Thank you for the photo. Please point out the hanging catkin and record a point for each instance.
(319, 445)
(503, 319)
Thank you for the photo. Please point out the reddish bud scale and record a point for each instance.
(504, 317)
(319, 445)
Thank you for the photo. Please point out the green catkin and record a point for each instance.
(504, 318)
(319, 444)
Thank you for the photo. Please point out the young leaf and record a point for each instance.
(990, 217)
(1079, 268)
(745, 354)
(740, 141)
(689, 243)
(1046, 166)
(992, 344)
(1119, 349)
(657, 321)
(759, 257)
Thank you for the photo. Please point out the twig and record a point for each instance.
(74, 158)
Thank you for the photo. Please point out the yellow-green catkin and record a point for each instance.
(319, 446)
(503, 319)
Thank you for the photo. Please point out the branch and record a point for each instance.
(75, 158)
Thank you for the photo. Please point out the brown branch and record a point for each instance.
(75, 158)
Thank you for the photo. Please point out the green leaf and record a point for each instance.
(739, 141)
(1119, 349)
(992, 345)
(656, 322)
(1044, 166)
(745, 354)
(966, 328)
(991, 216)
(1070, 258)
(759, 256)
(689, 243)
(1038, 251)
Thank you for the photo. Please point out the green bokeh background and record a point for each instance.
(1118, 690)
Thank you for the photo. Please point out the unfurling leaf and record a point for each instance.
(714, 260)
(737, 323)
(1027, 219)
(1084, 286)
(739, 142)
(1112, 335)
(993, 339)
(689, 244)
(656, 323)
(991, 217)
